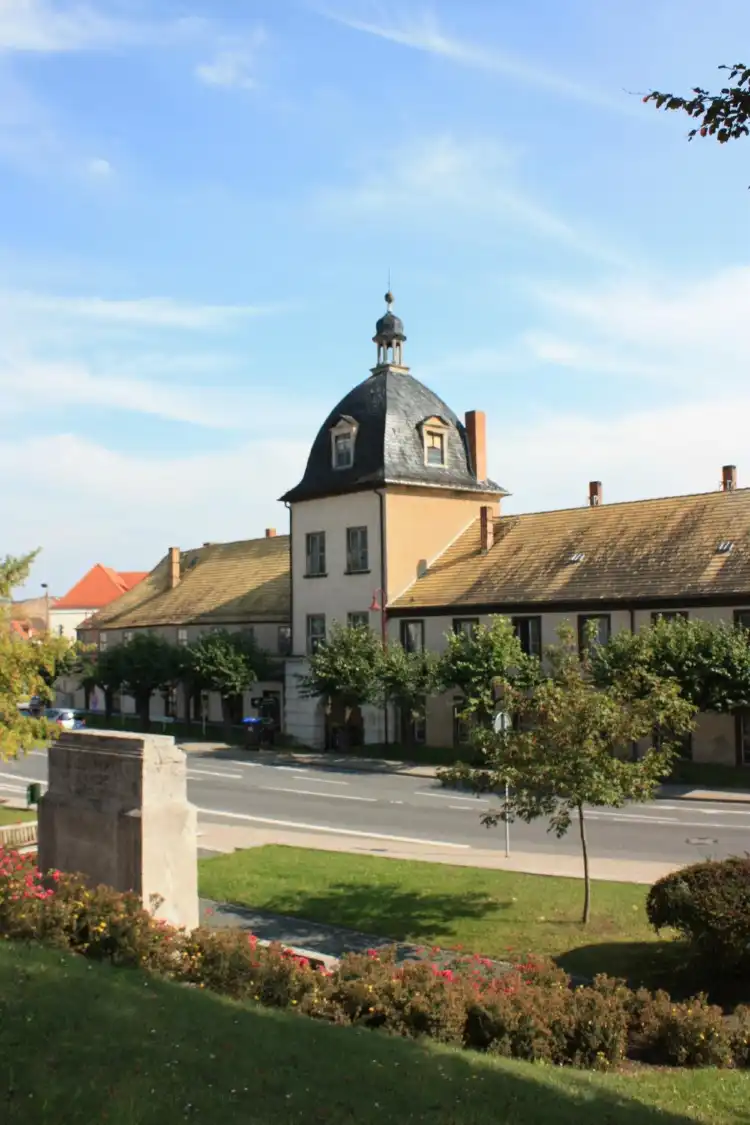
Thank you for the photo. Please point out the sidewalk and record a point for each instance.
(227, 838)
(356, 764)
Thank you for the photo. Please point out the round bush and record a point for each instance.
(709, 905)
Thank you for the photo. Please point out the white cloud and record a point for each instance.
(689, 332)
(42, 26)
(152, 312)
(234, 63)
(99, 168)
(453, 181)
(423, 33)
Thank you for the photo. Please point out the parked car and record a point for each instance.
(65, 717)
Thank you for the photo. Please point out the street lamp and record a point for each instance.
(45, 587)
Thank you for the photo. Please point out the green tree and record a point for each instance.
(482, 664)
(24, 664)
(227, 663)
(63, 660)
(710, 662)
(345, 672)
(566, 747)
(406, 679)
(144, 664)
(725, 115)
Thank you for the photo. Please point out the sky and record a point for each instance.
(200, 207)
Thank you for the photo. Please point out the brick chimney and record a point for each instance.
(595, 493)
(270, 532)
(476, 432)
(174, 567)
(486, 528)
(729, 478)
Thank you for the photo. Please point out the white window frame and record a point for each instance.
(344, 428)
(315, 636)
(318, 537)
(359, 554)
(182, 637)
(102, 642)
(358, 619)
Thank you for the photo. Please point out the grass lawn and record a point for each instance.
(82, 1043)
(13, 816)
(489, 912)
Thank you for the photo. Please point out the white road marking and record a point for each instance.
(211, 773)
(316, 793)
(247, 765)
(290, 769)
(12, 788)
(334, 831)
(327, 781)
(22, 777)
(450, 797)
(659, 823)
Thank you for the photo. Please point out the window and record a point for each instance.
(434, 447)
(466, 625)
(343, 450)
(170, 703)
(315, 554)
(61, 630)
(602, 627)
(357, 559)
(356, 620)
(743, 738)
(316, 632)
(742, 617)
(529, 632)
(102, 642)
(412, 635)
(461, 726)
(285, 640)
(669, 615)
(182, 636)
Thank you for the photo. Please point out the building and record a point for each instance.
(397, 524)
(98, 588)
(235, 586)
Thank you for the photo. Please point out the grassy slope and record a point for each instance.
(14, 816)
(82, 1043)
(484, 911)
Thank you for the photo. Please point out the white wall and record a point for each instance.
(64, 622)
(339, 593)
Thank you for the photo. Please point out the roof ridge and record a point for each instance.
(622, 503)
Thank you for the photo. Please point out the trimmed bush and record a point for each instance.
(526, 1011)
(709, 905)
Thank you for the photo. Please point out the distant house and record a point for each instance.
(97, 589)
(28, 617)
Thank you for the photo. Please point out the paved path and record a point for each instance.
(248, 798)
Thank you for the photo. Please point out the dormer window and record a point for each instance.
(343, 435)
(434, 438)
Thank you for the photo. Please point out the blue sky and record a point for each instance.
(200, 207)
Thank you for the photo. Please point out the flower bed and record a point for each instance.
(529, 1012)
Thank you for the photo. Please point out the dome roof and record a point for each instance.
(389, 327)
(388, 408)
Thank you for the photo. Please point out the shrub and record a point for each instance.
(740, 1036)
(233, 963)
(709, 905)
(690, 1034)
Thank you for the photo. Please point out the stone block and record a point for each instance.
(116, 811)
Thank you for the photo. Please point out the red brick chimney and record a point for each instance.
(729, 478)
(174, 567)
(486, 528)
(270, 532)
(476, 432)
(595, 493)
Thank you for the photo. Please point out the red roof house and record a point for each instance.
(99, 587)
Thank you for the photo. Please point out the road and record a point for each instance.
(396, 808)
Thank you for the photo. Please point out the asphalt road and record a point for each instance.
(237, 790)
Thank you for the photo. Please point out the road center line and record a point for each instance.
(212, 773)
(316, 793)
(334, 831)
(450, 797)
(22, 777)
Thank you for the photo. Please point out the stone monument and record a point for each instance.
(116, 811)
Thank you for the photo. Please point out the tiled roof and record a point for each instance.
(99, 587)
(220, 583)
(388, 407)
(635, 551)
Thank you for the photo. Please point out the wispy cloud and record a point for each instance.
(234, 63)
(424, 33)
(455, 181)
(689, 332)
(44, 27)
(153, 312)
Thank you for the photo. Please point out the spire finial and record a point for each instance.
(389, 298)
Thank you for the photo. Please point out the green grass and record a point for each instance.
(82, 1043)
(489, 912)
(13, 816)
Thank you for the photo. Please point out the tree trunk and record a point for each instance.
(586, 875)
(143, 708)
(109, 703)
